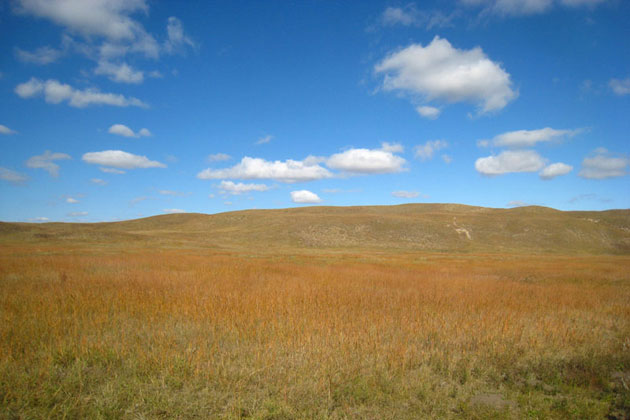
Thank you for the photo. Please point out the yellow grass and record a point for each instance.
(199, 334)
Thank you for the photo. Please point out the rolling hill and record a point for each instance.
(410, 227)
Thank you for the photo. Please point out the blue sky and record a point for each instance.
(128, 108)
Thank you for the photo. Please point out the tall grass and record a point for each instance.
(168, 334)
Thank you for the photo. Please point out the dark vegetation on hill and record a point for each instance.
(411, 227)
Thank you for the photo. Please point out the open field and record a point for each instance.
(167, 326)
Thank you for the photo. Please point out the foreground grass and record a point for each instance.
(196, 334)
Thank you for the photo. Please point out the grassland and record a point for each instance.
(155, 319)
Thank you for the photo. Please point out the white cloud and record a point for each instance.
(120, 159)
(98, 181)
(525, 7)
(602, 164)
(447, 158)
(55, 92)
(123, 130)
(122, 73)
(367, 161)
(264, 140)
(554, 170)
(78, 213)
(517, 203)
(218, 157)
(173, 193)
(6, 130)
(71, 200)
(39, 219)
(305, 197)
(441, 72)
(112, 171)
(108, 18)
(173, 211)
(41, 56)
(411, 16)
(620, 87)
(426, 151)
(406, 194)
(392, 147)
(229, 187)
(510, 161)
(528, 138)
(256, 168)
(12, 176)
(177, 40)
(46, 162)
(429, 112)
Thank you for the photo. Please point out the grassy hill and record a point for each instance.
(410, 227)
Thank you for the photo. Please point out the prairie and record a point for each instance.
(174, 317)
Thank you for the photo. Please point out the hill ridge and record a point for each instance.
(439, 227)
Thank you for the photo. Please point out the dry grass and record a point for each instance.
(199, 334)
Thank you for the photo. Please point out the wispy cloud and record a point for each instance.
(120, 159)
(6, 130)
(12, 176)
(602, 164)
(229, 187)
(46, 162)
(55, 92)
(264, 140)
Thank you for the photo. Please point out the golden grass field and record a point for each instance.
(117, 331)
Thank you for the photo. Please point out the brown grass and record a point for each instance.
(200, 334)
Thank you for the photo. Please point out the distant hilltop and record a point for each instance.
(404, 228)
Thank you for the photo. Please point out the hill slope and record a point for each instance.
(431, 227)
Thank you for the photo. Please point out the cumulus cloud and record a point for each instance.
(122, 72)
(406, 194)
(120, 159)
(554, 170)
(219, 157)
(368, 161)
(123, 130)
(305, 197)
(510, 161)
(107, 18)
(12, 177)
(6, 130)
(441, 72)
(429, 112)
(173, 211)
(427, 150)
(71, 200)
(528, 138)
(46, 162)
(98, 181)
(255, 168)
(39, 219)
(602, 164)
(55, 92)
(620, 87)
(41, 56)
(229, 187)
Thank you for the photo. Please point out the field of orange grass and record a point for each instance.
(89, 333)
